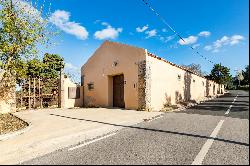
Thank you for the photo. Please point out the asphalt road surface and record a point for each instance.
(214, 132)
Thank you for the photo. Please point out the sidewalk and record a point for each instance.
(51, 130)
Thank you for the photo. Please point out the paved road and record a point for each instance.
(213, 132)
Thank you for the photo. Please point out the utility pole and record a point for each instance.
(61, 102)
(29, 94)
(39, 91)
(219, 77)
(34, 86)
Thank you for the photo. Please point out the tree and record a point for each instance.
(196, 68)
(35, 68)
(22, 28)
(220, 74)
(239, 76)
(246, 75)
(22, 71)
(53, 64)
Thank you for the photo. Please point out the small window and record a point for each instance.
(193, 80)
(203, 83)
(179, 77)
(74, 92)
(90, 86)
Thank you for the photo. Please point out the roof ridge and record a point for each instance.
(123, 44)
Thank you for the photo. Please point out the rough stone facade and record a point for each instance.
(142, 85)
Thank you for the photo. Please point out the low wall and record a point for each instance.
(68, 101)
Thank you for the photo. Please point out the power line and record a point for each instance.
(166, 23)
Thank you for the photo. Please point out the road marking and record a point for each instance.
(90, 142)
(228, 110)
(231, 105)
(161, 116)
(201, 155)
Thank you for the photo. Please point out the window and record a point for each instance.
(90, 86)
(74, 92)
(193, 80)
(179, 77)
(203, 83)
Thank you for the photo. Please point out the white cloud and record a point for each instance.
(167, 39)
(162, 38)
(216, 50)
(188, 40)
(235, 39)
(224, 41)
(196, 45)
(151, 33)
(142, 29)
(220, 42)
(170, 38)
(105, 24)
(205, 33)
(97, 21)
(164, 30)
(208, 47)
(108, 33)
(70, 66)
(60, 18)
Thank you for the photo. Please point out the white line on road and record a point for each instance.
(228, 110)
(201, 155)
(90, 142)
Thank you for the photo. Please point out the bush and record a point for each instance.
(243, 87)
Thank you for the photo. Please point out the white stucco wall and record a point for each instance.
(70, 103)
(166, 83)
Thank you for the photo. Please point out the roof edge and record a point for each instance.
(180, 67)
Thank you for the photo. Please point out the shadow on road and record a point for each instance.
(218, 107)
(155, 130)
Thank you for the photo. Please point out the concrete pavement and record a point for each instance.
(51, 130)
(203, 134)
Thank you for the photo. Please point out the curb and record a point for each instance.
(15, 133)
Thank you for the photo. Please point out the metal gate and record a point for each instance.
(38, 93)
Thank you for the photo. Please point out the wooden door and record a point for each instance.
(118, 91)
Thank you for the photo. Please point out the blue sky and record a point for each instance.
(219, 29)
